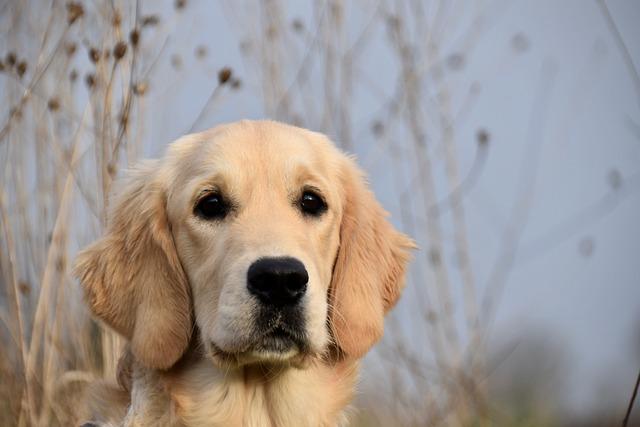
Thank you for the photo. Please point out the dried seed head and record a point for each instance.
(15, 112)
(90, 80)
(393, 22)
(435, 257)
(140, 88)
(246, 46)
(586, 246)
(53, 104)
(520, 43)
(123, 119)
(21, 68)
(377, 127)
(94, 55)
(180, 4)
(24, 287)
(134, 37)
(61, 263)
(11, 59)
(119, 50)
(201, 52)
(297, 120)
(271, 32)
(70, 48)
(117, 19)
(73, 75)
(224, 75)
(150, 20)
(111, 169)
(176, 61)
(297, 25)
(74, 12)
(456, 61)
(482, 136)
(614, 179)
(431, 317)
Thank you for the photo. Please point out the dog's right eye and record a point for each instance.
(212, 206)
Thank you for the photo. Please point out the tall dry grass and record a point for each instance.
(75, 81)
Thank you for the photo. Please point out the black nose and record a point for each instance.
(277, 281)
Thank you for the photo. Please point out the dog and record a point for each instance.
(250, 270)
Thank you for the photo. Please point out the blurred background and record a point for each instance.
(504, 136)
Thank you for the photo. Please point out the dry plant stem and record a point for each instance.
(272, 58)
(457, 207)
(424, 169)
(215, 94)
(460, 242)
(634, 393)
(123, 122)
(28, 393)
(34, 82)
(56, 249)
(622, 47)
(521, 208)
(107, 140)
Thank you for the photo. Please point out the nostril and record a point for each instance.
(277, 281)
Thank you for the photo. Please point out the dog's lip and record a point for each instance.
(279, 339)
(279, 342)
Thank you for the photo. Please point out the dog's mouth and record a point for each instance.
(277, 345)
(279, 340)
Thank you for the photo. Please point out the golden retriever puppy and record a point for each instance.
(250, 269)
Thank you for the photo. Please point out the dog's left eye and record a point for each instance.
(312, 204)
(212, 206)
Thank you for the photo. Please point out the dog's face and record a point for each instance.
(256, 222)
(261, 234)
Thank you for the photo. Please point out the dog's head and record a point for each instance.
(264, 236)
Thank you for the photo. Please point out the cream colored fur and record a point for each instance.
(174, 284)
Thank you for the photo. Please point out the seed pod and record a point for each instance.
(21, 68)
(134, 37)
(201, 52)
(74, 12)
(90, 80)
(224, 75)
(116, 20)
(94, 55)
(53, 104)
(297, 25)
(70, 48)
(140, 89)
(119, 50)
(150, 20)
(11, 59)
(483, 137)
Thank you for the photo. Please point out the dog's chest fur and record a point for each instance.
(203, 395)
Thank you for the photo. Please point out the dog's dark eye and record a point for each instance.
(212, 206)
(312, 204)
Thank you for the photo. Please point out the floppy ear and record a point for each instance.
(369, 271)
(132, 277)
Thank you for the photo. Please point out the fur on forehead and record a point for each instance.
(234, 143)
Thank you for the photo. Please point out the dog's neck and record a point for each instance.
(199, 393)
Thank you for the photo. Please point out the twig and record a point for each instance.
(631, 401)
(622, 46)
